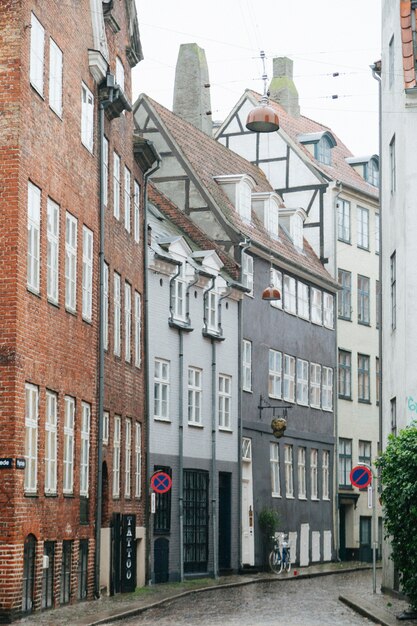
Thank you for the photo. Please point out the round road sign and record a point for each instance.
(361, 476)
(161, 482)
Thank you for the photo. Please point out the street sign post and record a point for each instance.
(362, 477)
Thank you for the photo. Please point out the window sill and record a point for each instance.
(33, 291)
(290, 312)
(327, 410)
(51, 494)
(290, 497)
(31, 494)
(317, 323)
(315, 406)
(68, 495)
(54, 303)
(162, 419)
(315, 499)
(180, 324)
(223, 429)
(71, 311)
(366, 249)
(211, 334)
(304, 498)
(364, 401)
(195, 425)
(302, 403)
(276, 495)
(345, 319)
(247, 390)
(87, 320)
(364, 323)
(346, 241)
(348, 398)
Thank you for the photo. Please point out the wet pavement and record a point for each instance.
(312, 597)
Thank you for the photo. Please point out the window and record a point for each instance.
(55, 78)
(325, 474)
(128, 322)
(372, 173)
(128, 457)
(68, 469)
(120, 74)
(194, 395)
(33, 249)
(377, 380)
(212, 313)
(87, 117)
(393, 286)
(127, 197)
(106, 427)
(247, 272)
(225, 399)
(289, 477)
(302, 382)
(313, 474)
(70, 262)
(82, 573)
(246, 449)
(85, 449)
(272, 224)
(117, 303)
(274, 464)
(363, 227)
(116, 456)
(52, 251)
(365, 452)
(377, 303)
(138, 329)
(290, 303)
(179, 293)
(393, 406)
(245, 202)
(303, 300)
(51, 419)
(393, 173)
(324, 151)
(289, 378)
(138, 460)
(345, 462)
(37, 44)
(315, 385)
(328, 314)
(296, 227)
(136, 211)
(377, 233)
(161, 390)
(391, 59)
(31, 437)
(275, 374)
(363, 378)
(106, 306)
(105, 171)
(316, 306)
(48, 575)
(343, 220)
(65, 592)
(116, 185)
(302, 473)
(363, 300)
(87, 274)
(327, 389)
(162, 516)
(276, 279)
(345, 295)
(345, 374)
(247, 365)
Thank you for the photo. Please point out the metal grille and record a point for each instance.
(195, 520)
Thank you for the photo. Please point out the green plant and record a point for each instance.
(398, 467)
(268, 519)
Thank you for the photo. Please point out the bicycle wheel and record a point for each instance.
(275, 561)
(287, 564)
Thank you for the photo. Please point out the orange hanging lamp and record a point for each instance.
(263, 118)
(271, 292)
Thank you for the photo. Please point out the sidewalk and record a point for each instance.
(378, 607)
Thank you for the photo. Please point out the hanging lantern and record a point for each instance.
(263, 118)
(271, 292)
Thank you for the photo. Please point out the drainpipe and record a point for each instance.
(181, 448)
(213, 457)
(336, 515)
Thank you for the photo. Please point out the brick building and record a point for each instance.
(64, 223)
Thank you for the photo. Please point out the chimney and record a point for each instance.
(282, 88)
(192, 99)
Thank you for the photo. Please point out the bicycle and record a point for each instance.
(280, 560)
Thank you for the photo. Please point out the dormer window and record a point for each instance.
(244, 206)
(372, 173)
(367, 167)
(296, 230)
(324, 151)
(238, 188)
(266, 205)
(320, 145)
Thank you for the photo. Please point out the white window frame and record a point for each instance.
(138, 460)
(117, 313)
(106, 275)
(303, 300)
(289, 471)
(68, 451)
(51, 440)
(325, 475)
(55, 77)
(106, 427)
(37, 54)
(343, 220)
(315, 385)
(290, 295)
(195, 391)
(301, 470)
(289, 378)
(127, 198)
(116, 185)
(274, 466)
(179, 294)
(273, 219)
(71, 227)
(136, 211)
(302, 382)
(247, 365)
(314, 488)
(244, 207)
(316, 306)
(275, 374)
(87, 302)
(34, 236)
(161, 389)
(246, 449)
(247, 272)
(85, 448)
(212, 311)
(87, 117)
(224, 401)
(128, 322)
(296, 228)
(31, 437)
(276, 278)
(327, 389)
(105, 171)
(128, 457)
(362, 218)
(328, 310)
(138, 329)
(52, 262)
(116, 455)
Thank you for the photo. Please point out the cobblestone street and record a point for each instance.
(311, 602)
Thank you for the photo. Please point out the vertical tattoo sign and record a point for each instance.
(128, 557)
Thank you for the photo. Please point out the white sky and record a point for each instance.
(321, 36)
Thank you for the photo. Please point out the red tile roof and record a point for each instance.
(407, 44)
(205, 158)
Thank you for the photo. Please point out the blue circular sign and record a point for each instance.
(361, 476)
